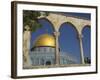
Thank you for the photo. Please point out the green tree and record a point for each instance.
(30, 18)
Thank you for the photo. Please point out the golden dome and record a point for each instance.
(45, 40)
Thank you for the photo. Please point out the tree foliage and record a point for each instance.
(30, 18)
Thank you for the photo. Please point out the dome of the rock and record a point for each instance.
(45, 40)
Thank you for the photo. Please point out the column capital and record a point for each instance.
(80, 36)
(56, 33)
(27, 28)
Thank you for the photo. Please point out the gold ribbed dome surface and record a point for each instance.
(45, 40)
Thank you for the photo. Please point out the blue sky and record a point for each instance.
(68, 40)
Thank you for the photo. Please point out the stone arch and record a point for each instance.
(70, 23)
(89, 26)
(44, 18)
(57, 20)
(86, 26)
(69, 40)
(51, 27)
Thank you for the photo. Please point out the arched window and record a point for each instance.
(86, 32)
(68, 42)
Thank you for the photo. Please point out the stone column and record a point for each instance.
(57, 54)
(81, 48)
(26, 47)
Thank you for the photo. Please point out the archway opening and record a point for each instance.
(86, 40)
(46, 28)
(46, 31)
(68, 43)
